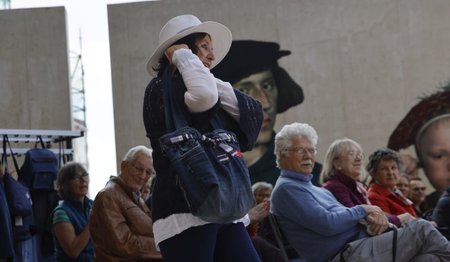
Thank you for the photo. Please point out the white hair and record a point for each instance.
(261, 185)
(284, 137)
(132, 154)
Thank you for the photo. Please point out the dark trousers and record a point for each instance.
(210, 242)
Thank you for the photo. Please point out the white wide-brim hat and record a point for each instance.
(184, 25)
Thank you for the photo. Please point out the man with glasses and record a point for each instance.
(321, 229)
(417, 194)
(120, 222)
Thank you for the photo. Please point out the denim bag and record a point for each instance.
(210, 169)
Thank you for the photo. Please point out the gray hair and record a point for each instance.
(283, 138)
(336, 149)
(132, 154)
(261, 186)
(381, 154)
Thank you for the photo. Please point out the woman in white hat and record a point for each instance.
(192, 48)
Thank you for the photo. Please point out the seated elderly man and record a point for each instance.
(321, 229)
(120, 222)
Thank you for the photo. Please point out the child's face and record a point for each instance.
(434, 146)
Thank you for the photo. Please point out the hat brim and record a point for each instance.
(220, 36)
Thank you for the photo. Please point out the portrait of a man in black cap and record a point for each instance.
(252, 67)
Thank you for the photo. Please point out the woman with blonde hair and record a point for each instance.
(343, 171)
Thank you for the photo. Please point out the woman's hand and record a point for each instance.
(169, 51)
(405, 218)
(259, 212)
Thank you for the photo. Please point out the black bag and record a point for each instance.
(209, 167)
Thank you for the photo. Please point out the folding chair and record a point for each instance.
(278, 236)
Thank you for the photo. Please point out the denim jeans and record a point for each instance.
(210, 242)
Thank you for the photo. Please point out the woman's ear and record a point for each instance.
(337, 164)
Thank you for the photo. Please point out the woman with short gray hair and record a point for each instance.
(383, 167)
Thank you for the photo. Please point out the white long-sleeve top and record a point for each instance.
(203, 89)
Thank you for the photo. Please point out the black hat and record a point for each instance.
(247, 57)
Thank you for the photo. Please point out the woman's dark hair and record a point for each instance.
(67, 173)
(187, 40)
(381, 154)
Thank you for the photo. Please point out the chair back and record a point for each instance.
(278, 236)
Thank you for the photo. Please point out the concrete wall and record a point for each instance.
(361, 63)
(34, 76)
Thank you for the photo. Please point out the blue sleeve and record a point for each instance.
(313, 212)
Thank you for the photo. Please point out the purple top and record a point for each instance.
(347, 190)
(350, 193)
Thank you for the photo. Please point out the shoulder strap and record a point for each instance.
(173, 115)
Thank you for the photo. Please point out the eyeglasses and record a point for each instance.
(82, 177)
(140, 169)
(302, 151)
(417, 189)
(355, 154)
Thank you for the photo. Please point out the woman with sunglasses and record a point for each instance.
(71, 216)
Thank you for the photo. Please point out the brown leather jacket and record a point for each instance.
(121, 226)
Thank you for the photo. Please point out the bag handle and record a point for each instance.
(6, 141)
(4, 161)
(40, 141)
(172, 111)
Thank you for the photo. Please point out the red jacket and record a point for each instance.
(389, 202)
